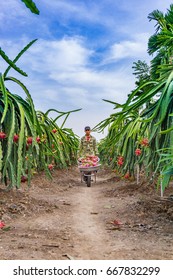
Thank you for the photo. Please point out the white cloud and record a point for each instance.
(13, 12)
(135, 47)
(67, 9)
(58, 55)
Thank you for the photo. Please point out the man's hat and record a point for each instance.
(87, 128)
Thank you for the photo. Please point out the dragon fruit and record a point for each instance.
(89, 161)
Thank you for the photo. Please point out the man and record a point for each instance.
(88, 146)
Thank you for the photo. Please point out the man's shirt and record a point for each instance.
(88, 146)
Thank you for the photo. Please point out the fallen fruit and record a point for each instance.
(2, 224)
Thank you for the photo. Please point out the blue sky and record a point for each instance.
(84, 52)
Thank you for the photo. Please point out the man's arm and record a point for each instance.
(80, 147)
(95, 147)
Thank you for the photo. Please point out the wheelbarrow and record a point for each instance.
(87, 173)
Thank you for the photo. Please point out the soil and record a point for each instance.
(62, 219)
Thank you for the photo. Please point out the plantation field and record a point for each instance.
(63, 219)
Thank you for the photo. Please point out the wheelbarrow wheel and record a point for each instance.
(88, 182)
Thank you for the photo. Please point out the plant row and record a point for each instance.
(140, 135)
(30, 140)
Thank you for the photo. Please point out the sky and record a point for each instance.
(84, 53)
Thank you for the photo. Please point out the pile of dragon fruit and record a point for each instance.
(88, 161)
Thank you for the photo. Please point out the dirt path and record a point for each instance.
(63, 219)
(89, 231)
